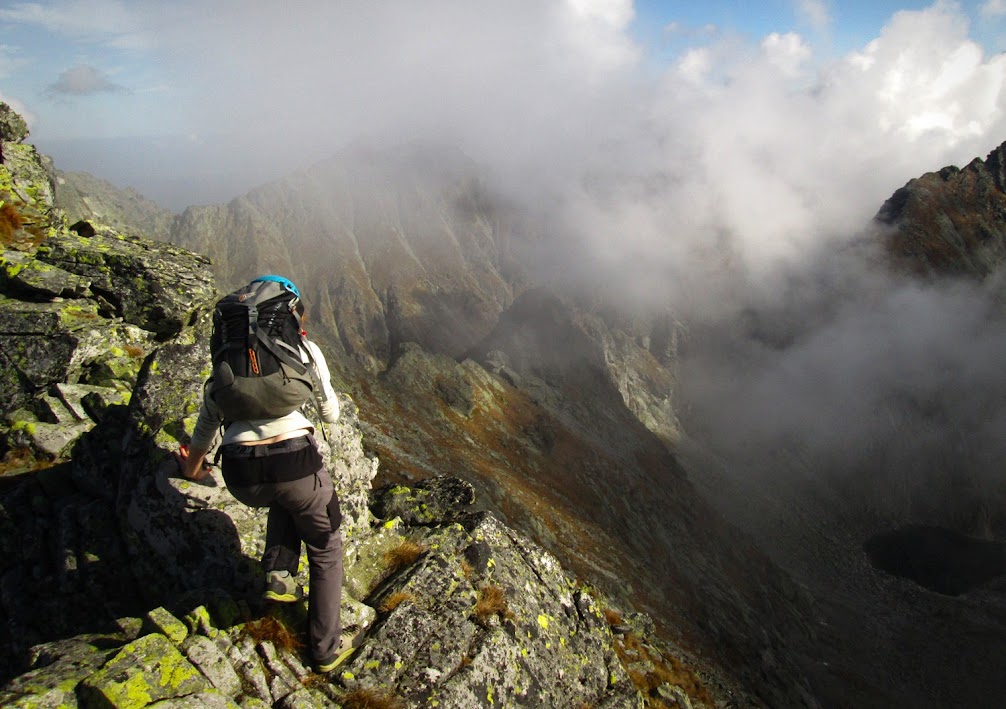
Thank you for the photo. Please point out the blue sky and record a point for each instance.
(195, 101)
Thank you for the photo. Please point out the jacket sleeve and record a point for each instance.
(328, 402)
(204, 435)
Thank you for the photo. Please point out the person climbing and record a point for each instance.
(269, 456)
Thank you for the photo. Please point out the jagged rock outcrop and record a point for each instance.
(951, 221)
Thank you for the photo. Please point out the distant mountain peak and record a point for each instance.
(950, 221)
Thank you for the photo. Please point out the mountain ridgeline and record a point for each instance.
(425, 291)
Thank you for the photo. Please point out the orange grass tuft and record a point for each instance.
(363, 698)
(402, 555)
(491, 601)
(396, 599)
(275, 631)
(10, 222)
(665, 670)
(612, 617)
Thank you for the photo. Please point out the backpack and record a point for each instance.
(256, 353)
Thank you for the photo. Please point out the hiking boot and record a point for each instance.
(349, 640)
(282, 587)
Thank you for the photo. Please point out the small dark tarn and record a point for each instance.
(936, 558)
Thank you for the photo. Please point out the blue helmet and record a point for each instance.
(285, 282)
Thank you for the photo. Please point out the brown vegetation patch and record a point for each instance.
(22, 460)
(363, 698)
(134, 351)
(11, 222)
(492, 601)
(403, 555)
(275, 631)
(396, 599)
(664, 669)
(612, 617)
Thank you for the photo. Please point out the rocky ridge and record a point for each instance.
(952, 221)
(123, 585)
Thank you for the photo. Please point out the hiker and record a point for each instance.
(273, 461)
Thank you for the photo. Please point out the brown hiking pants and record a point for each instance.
(306, 509)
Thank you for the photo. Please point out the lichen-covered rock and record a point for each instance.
(213, 663)
(161, 620)
(58, 668)
(210, 699)
(146, 670)
(154, 285)
(20, 273)
(436, 500)
(26, 178)
(485, 617)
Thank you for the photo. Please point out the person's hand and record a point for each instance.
(192, 468)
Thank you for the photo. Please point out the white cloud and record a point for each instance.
(765, 159)
(750, 147)
(787, 52)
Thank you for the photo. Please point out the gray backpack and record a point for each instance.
(256, 348)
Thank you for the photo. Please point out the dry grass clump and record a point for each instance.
(665, 670)
(134, 351)
(10, 222)
(275, 631)
(396, 599)
(467, 569)
(492, 601)
(363, 698)
(402, 555)
(612, 617)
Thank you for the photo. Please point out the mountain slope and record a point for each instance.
(386, 249)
